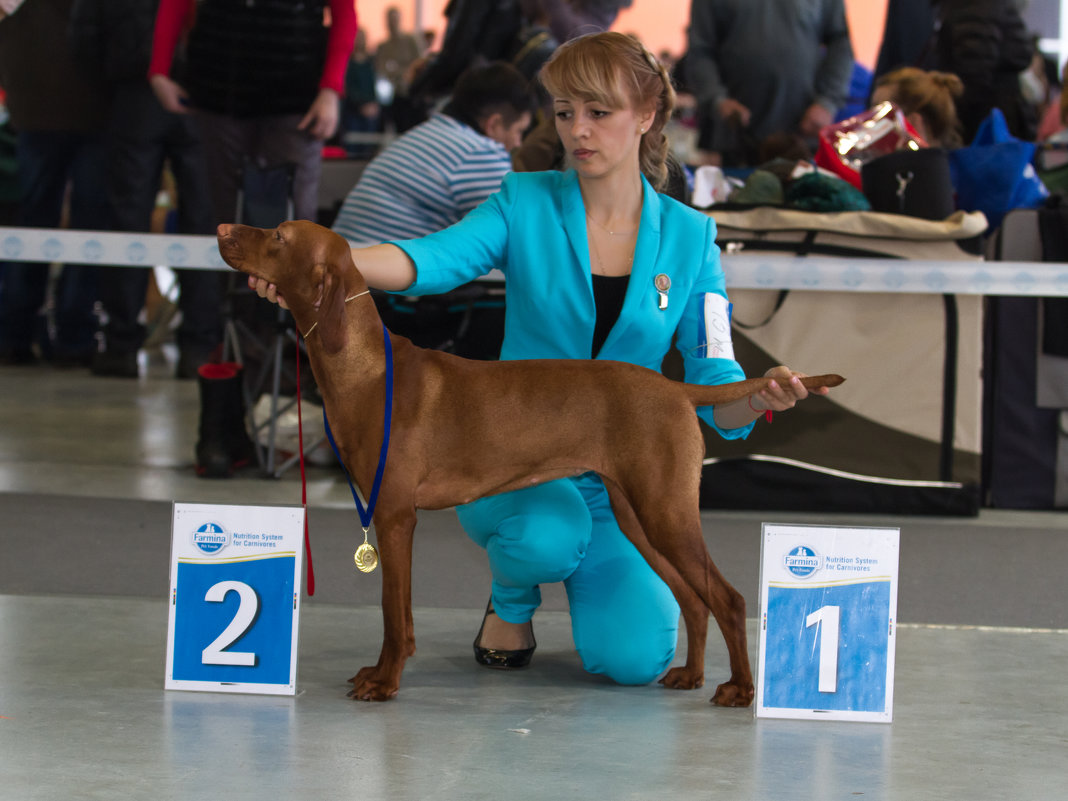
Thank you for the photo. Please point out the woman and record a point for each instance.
(928, 101)
(597, 264)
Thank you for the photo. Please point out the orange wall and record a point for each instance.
(660, 23)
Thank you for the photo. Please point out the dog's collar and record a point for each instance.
(350, 297)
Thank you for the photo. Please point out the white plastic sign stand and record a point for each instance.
(235, 598)
(828, 614)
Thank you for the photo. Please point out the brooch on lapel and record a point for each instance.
(662, 284)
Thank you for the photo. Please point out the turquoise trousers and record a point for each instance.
(624, 619)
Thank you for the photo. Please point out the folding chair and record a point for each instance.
(256, 328)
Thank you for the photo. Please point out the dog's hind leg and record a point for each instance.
(381, 681)
(690, 557)
(672, 526)
(694, 611)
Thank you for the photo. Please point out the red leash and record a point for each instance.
(304, 483)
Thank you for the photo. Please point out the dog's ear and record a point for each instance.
(332, 312)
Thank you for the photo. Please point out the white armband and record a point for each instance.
(715, 328)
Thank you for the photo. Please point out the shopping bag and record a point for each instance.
(995, 173)
(846, 146)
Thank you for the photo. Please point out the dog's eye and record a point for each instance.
(277, 234)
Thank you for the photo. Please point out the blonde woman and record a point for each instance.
(597, 265)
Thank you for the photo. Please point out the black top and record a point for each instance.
(608, 294)
(250, 59)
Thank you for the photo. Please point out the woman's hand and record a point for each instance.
(784, 391)
(266, 291)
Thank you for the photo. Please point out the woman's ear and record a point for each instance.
(645, 120)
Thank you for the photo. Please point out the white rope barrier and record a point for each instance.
(743, 270)
(111, 249)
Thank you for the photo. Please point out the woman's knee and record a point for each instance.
(544, 549)
(631, 638)
(627, 656)
(537, 535)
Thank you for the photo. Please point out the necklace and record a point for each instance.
(609, 230)
(601, 270)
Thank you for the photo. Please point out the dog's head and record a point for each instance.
(311, 266)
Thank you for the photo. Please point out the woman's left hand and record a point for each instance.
(784, 391)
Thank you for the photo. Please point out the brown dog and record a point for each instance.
(465, 429)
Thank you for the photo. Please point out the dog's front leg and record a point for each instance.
(381, 681)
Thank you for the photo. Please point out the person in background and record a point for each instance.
(429, 179)
(906, 35)
(986, 44)
(927, 99)
(1055, 118)
(361, 112)
(393, 61)
(493, 30)
(587, 254)
(761, 67)
(263, 83)
(59, 115)
(431, 176)
(113, 41)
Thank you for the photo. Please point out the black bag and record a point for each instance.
(912, 182)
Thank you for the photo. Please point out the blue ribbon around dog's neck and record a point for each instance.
(367, 513)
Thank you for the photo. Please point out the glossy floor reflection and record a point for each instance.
(88, 467)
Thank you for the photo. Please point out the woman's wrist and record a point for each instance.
(766, 412)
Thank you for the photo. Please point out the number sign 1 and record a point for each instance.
(828, 603)
(235, 598)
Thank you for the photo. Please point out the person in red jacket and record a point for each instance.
(264, 80)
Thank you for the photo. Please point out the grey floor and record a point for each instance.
(89, 468)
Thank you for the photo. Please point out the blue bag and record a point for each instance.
(995, 174)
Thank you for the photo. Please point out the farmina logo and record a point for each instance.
(211, 538)
(802, 561)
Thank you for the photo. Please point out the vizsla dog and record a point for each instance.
(465, 429)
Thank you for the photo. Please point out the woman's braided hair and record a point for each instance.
(615, 69)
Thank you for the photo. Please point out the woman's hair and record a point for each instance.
(615, 69)
(931, 95)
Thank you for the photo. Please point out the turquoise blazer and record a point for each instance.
(534, 231)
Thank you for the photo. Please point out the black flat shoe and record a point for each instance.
(498, 658)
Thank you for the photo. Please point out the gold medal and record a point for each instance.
(366, 557)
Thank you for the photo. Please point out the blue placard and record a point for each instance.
(258, 594)
(235, 598)
(827, 626)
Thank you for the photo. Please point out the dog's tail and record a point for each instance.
(725, 393)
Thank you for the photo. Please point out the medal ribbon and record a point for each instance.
(367, 513)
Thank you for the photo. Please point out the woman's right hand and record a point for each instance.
(170, 95)
(266, 291)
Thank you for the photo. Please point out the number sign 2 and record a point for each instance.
(827, 623)
(235, 598)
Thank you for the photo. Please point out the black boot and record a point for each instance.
(224, 444)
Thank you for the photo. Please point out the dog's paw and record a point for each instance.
(368, 685)
(683, 678)
(729, 694)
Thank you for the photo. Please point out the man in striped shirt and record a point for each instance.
(438, 171)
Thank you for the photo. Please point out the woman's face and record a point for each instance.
(599, 140)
